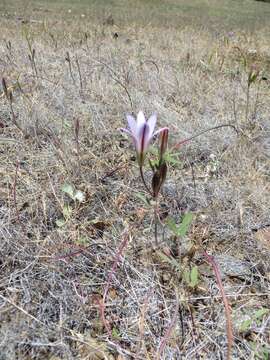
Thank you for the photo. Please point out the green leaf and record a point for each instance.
(82, 241)
(184, 226)
(169, 260)
(115, 333)
(60, 222)
(260, 313)
(252, 76)
(245, 325)
(73, 193)
(69, 190)
(67, 211)
(172, 226)
(142, 197)
(172, 158)
(194, 277)
(257, 315)
(186, 276)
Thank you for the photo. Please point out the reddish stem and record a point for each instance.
(168, 333)
(227, 307)
(177, 146)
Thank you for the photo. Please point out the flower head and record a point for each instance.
(141, 131)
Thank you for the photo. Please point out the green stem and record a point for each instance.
(156, 205)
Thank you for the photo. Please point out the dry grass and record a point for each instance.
(53, 277)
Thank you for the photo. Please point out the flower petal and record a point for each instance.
(140, 122)
(152, 123)
(132, 124)
(128, 132)
(142, 140)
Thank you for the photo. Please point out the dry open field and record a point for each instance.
(81, 275)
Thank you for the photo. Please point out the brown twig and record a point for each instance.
(115, 77)
(14, 191)
(9, 97)
(79, 72)
(68, 60)
(106, 323)
(110, 173)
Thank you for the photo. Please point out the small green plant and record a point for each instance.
(191, 277)
(67, 209)
(254, 318)
(182, 229)
(171, 157)
(261, 352)
(74, 194)
(66, 212)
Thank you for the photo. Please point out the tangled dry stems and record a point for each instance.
(53, 278)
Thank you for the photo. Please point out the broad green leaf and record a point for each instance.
(69, 190)
(184, 226)
(67, 211)
(73, 193)
(142, 197)
(172, 226)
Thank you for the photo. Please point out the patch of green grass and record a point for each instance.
(217, 15)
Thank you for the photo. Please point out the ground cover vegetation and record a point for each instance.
(94, 265)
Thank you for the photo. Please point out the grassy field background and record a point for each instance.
(81, 275)
(211, 14)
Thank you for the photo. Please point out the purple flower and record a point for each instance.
(142, 131)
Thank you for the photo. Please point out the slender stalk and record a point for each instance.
(156, 205)
(168, 332)
(247, 102)
(156, 222)
(15, 192)
(144, 183)
(79, 71)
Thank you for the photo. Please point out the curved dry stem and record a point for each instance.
(203, 132)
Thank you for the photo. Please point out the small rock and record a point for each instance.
(231, 266)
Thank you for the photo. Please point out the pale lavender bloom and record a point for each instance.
(142, 131)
